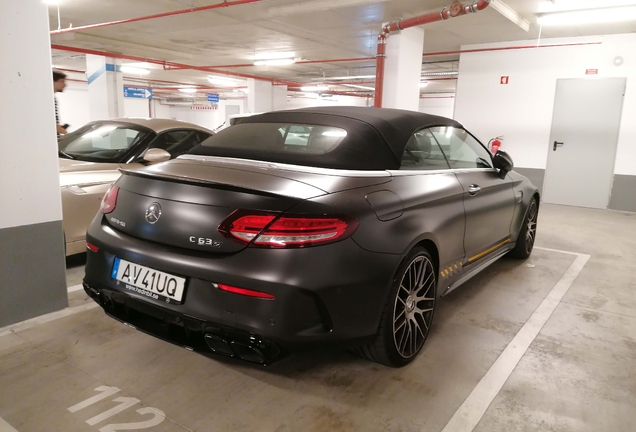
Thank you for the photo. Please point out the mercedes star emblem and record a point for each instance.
(153, 213)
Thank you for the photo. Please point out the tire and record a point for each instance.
(527, 232)
(405, 321)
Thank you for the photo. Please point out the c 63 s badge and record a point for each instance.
(204, 241)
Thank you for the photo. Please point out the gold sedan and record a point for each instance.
(91, 156)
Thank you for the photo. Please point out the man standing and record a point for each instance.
(59, 83)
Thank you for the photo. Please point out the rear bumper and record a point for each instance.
(332, 294)
(189, 332)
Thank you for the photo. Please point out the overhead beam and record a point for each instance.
(510, 13)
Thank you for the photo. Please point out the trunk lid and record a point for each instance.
(181, 203)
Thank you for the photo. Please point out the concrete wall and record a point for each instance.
(522, 110)
(441, 105)
(73, 105)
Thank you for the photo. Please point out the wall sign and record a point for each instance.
(213, 97)
(137, 93)
(591, 72)
(504, 80)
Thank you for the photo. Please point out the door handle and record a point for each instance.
(556, 144)
(473, 189)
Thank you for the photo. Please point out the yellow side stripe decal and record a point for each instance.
(487, 251)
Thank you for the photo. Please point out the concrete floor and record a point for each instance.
(578, 374)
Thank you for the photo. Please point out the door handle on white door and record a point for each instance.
(473, 189)
(556, 144)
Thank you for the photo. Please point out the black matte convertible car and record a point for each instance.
(258, 242)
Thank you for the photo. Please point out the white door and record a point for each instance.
(583, 141)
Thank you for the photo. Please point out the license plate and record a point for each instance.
(149, 282)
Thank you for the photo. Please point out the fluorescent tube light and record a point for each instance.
(274, 62)
(358, 86)
(134, 70)
(423, 84)
(274, 55)
(571, 5)
(450, 73)
(344, 78)
(589, 16)
(188, 90)
(314, 88)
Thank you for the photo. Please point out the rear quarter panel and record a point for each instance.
(430, 208)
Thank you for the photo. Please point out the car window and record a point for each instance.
(178, 142)
(461, 149)
(101, 142)
(423, 153)
(277, 137)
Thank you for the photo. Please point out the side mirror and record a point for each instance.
(155, 155)
(503, 162)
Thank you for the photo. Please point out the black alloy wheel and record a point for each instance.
(527, 232)
(408, 313)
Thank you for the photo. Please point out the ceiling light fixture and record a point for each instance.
(274, 55)
(359, 87)
(450, 73)
(589, 16)
(423, 84)
(343, 78)
(222, 81)
(314, 88)
(134, 70)
(274, 62)
(188, 90)
(571, 5)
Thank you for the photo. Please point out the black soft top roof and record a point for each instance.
(376, 136)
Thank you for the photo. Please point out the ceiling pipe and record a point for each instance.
(454, 10)
(168, 64)
(224, 4)
(518, 47)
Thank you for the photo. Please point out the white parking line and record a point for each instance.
(34, 322)
(474, 407)
(75, 288)
(6, 427)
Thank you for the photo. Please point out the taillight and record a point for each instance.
(245, 292)
(110, 200)
(286, 231)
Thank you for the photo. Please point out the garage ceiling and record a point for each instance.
(232, 35)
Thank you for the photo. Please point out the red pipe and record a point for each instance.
(454, 10)
(166, 63)
(507, 48)
(224, 4)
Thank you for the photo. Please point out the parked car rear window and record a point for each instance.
(101, 142)
(278, 138)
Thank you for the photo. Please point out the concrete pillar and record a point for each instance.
(32, 267)
(105, 87)
(403, 69)
(279, 98)
(259, 96)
